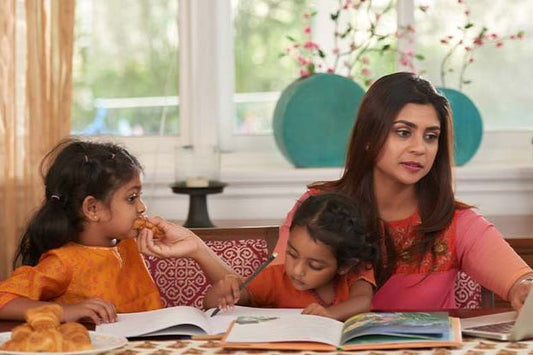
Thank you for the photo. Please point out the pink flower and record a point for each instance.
(304, 73)
(365, 72)
(365, 60)
(499, 44)
(307, 29)
(335, 51)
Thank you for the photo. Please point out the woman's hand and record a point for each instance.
(176, 241)
(317, 310)
(95, 309)
(520, 290)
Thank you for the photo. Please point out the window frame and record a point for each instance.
(207, 91)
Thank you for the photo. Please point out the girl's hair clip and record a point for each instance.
(56, 197)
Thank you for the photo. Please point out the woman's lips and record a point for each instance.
(412, 165)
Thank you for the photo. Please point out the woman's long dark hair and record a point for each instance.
(72, 170)
(436, 202)
(335, 220)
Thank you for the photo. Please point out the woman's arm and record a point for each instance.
(484, 254)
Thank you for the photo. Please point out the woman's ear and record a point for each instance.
(91, 208)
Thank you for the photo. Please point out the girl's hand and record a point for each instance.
(519, 291)
(317, 310)
(95, 309)
(227, 291)
(176, 242)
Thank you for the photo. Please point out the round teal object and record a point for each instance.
(467, 125)
(313, 119)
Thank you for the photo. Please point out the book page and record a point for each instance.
(142, 323)
(220, 323)
(413, 325)
(291, 328)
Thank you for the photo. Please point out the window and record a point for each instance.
(125, 72)
(500, 76)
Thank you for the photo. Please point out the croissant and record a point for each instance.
(141, 222)
(43, 333)
(21, 331)
(75, 336)
(44, 317)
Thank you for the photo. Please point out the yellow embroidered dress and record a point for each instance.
(74, 272)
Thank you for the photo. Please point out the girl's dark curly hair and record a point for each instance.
(71, 171)
(335, 220)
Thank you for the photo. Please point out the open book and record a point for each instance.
(184, 320)
(361, 332)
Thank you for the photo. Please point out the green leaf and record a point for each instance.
(311, 68)
(419, 57)
(290, 38)
(467, 81)
(468, 25)
(321, 53)
(334, 16)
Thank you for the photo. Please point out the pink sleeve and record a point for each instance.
(485, 255)
(281, 245)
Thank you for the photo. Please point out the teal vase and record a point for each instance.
(467, 125)
(313, 119)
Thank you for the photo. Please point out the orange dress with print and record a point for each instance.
(74, 272)
(273, 288)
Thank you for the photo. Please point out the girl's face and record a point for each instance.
(411, 146)
(309, 264)
(125, 205)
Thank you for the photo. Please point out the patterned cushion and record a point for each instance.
(467, 292)
(182, 282)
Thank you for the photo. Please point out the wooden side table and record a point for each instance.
(198, 217)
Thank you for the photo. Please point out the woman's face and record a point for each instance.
(411, 146)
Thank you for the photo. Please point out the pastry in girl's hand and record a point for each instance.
(141, 222)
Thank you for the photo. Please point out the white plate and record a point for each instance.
(100, 341)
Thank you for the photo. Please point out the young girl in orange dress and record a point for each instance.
(79, 249)
(326, 268)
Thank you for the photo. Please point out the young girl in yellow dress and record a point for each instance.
(79, 249)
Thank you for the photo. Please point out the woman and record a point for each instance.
(399, 166)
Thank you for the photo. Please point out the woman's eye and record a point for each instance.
(432, 136)
(403, 132)
(132, 198)
(291, 254)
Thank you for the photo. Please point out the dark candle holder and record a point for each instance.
(198, 217)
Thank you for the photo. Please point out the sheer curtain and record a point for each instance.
(36, 38)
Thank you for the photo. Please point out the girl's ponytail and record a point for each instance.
(72, 171)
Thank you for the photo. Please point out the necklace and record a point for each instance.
(320, 300)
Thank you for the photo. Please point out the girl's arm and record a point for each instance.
(359, 301)
(94, 309)
(226, 293)
(178, 242)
